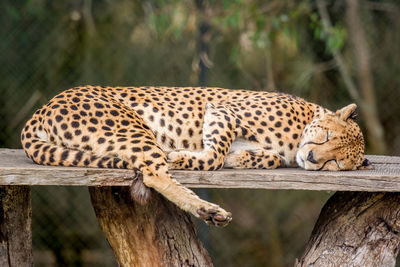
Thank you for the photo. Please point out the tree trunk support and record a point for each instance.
(355, 229)
(15, 226)
(156, 234)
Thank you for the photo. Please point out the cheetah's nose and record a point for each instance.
(310, 157)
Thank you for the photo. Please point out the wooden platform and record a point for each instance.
(354, 228)
(17, 169)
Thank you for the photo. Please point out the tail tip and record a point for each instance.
(139, 191)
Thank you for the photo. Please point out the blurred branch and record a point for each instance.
(256, 84)
(272, 6)
(324, 66)
(89, 36)
(22, 114)
(366, 101)
(327, 25)
(88, 17)
(382, 6)
(269, 64)
(203, 43)
(365, 78)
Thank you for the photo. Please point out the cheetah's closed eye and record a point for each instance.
(153, 129)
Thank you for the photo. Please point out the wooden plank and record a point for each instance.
(16, 169)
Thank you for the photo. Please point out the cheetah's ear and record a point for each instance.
(347, 112)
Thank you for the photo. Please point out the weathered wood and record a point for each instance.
(17, 169)
(355, 229)
(156, 234)
(15, 226)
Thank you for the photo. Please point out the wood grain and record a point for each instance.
(136, 235)
(355, 229)
(17, 169)
(15, 226)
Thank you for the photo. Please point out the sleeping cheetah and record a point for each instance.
(154, 129)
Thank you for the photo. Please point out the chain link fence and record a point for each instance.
(267, 227)
(65, 229)
(49, 46)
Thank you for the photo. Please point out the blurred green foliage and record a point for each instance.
(49, 46)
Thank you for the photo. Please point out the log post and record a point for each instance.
(155, 234)
(15, 226)
(355, 229)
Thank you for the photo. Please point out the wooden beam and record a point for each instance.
(17, 169)
(355, 229)
(155, 234)
(15, 226)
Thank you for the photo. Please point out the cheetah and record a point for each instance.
(151, 130)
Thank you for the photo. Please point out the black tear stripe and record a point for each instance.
(313, 143)
(323, 165)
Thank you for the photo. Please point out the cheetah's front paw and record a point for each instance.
(215, 216)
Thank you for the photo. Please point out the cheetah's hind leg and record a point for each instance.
(185, 198)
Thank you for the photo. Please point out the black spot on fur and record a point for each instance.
(114, 112)
(110, 123)
(68, 135)
(98, 105)
(270, 163)
(64, 155)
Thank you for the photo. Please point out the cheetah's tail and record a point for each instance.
(37, 146)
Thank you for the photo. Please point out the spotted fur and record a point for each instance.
(153, 129)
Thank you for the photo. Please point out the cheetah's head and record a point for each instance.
(333, 142)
